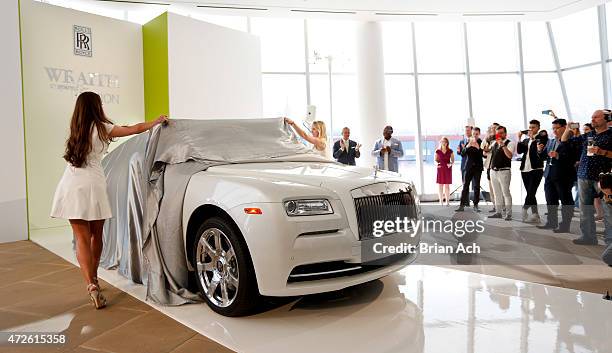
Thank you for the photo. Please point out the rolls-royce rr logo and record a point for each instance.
(82, 41)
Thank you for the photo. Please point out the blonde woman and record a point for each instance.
(444, 159)
(318, 137)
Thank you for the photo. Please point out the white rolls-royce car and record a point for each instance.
(290, 228)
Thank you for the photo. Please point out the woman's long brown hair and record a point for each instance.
(88, 113)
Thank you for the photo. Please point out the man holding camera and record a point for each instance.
(501, 163)
(560, 174)
(461, 149)
(594, 160)
(532, 167)
(473, 171)
(486, 149)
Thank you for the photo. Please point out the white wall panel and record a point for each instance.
(13, 218)
(54, 76)
(214, 72)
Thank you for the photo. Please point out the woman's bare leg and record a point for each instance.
(82, 235)
(440, 192)
(447, 193)
(96, 244)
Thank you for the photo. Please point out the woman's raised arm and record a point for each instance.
(121, 131)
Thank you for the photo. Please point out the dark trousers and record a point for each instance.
(471, 175)
(555, 191)
(532, 180)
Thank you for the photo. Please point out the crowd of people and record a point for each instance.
(567, 159)
(564, 160)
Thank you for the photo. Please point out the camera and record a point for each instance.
(608, 114)
(574, 126)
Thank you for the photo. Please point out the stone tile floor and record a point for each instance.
(41, 292)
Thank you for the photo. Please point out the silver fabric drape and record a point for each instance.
(147, 177)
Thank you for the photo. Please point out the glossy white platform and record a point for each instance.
(420, 309)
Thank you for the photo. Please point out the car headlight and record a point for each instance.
(308, 207)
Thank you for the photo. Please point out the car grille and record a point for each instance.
(382, 208)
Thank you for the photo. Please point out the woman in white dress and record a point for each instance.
(81, 195)
(318, 137)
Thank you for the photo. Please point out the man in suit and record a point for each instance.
(345, 150)
(473, 171)
(387, 150)
(461, 149)
(559, 177)
(532, 168)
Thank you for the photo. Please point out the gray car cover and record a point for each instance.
(146, 181)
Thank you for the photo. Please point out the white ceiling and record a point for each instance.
(390, 9)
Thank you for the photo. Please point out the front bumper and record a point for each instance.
(279, 243)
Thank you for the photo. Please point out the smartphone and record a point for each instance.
(574, 126)
(546, 112)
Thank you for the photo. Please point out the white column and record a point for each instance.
(370, 90)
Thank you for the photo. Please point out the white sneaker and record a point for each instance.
(534, 218)
(524, 214)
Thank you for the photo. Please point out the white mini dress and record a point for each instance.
(81, 193)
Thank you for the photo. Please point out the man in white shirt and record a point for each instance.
(501, 164)
(387, 150)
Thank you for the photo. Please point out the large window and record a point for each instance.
(397, 47)
(537, 52)
(492, 46)
(584, 91)
(542, 92)
(439, 47)
(444, 113)
(577, 38)
(497, 98)
(282, 43)
(335, 39)
(284, 95)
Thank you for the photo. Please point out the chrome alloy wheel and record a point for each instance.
(217, 267)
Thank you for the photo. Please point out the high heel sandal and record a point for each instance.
(95, 281)
(96, 297)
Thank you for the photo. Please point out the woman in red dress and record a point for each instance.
(444, 160)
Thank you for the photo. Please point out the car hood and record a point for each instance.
(332, 176)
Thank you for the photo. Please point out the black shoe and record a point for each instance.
(582, 241)
(493, 211)
(460, 209)
(547, 226)
(476, 209)
(561, 230)
(508, 217)
(497, 215)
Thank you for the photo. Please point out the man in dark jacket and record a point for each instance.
(473, 170)
(345, 150)
(532, 168)
(560, 174)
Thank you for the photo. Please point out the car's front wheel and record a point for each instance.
(224, 271)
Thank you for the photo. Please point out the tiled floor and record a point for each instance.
(420, 309)
(520, 251)
(41, 292)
